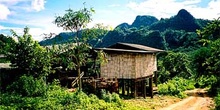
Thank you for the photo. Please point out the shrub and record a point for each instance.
(28, 86)
(54, 97)
(206, 81)
(175, 87)
(106, 96)
(217, 101)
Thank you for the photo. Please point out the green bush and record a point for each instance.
(176, 87)
(111, 97)
(57, 98)
(206, 81)
(28, 86)
(217, 101)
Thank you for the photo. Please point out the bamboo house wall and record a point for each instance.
(124, 65)
(132, 64)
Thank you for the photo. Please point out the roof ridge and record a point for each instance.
(140, 47)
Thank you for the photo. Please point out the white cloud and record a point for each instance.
(168, 8)
(12, 2)
(38, 27)
(1, 27)
(4, 12)
(24, 5)
(38, 5)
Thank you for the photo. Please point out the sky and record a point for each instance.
(39, 15)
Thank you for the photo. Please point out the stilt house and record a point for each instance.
(133, 65)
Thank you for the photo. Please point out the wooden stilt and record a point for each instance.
(155, 77)
(144, 85)
(128, 87)
(123, 87)
(151, 86)
(135, 88)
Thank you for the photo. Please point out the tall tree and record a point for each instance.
(74, 21)
(210, 32)
(28, 56)
(210, 37)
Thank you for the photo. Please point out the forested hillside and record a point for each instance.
(176, 32)
(40, 76)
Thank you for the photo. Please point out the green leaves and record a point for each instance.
(28, 86)
(210, 32)
(174, 64)
(74, 20)
(214, 60)
(176, 87)
(29, 57)
(6, 43)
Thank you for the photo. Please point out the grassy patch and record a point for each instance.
(157, 102)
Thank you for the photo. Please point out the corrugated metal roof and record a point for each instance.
(128, 47)
(141, 47)
(124, 50)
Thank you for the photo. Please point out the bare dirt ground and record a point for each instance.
(198, 100)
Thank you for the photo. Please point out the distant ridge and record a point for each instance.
(173, 32)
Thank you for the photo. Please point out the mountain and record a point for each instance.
(182, 21)
(169, 33)
(63, 37)
(144, 21)
(140, 21)
(123, 26)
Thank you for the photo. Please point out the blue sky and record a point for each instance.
(39, 15)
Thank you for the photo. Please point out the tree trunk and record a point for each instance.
(80, 82)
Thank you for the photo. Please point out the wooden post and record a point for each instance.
(151, 86)
(155, 78)
(144, 85)
(128, 87)
(123, 87)
(135, 89)
(117, 85)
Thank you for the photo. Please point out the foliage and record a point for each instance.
(144, 21)
(206, 81)
(176, 87)
(163, 34)
(59, 98)
(106, 96)
(199, 58)
(28, 86)
(74, 20)
(210, 37)
(6, 43)
(173, 64)
(210, 32)
(28, 56)
(78, 54)
(213, 61)
(217, 101)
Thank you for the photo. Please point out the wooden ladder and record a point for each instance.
(77, 79)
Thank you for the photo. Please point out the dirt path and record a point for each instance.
(198, 100)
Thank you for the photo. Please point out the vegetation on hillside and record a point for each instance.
(166, 34)
(192, 60)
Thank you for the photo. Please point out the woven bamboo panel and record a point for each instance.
(129, 65)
